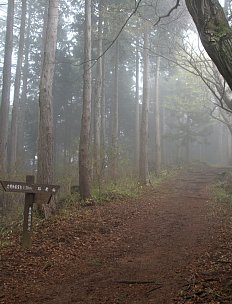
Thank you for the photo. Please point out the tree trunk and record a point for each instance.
(157, 120)
(23, 99)
(103, 118)
(215, 33)
(137, 132)
(114, 115)
(5, 102)
(143, 158)
(84, 157)
(97, 103)
(187, 141)
(15, 111)
(46, 130)
(103, 103)
(66, 143)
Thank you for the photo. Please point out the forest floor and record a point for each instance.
(172, 245)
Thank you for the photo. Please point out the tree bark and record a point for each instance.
(23, 99)
(143, 158)
(5, 102)
(114, 115)
(215, 33)
(97, 103)
(15, 111)
(137, 132)
(46, 142)
(46, 131)
(157, 119)
(103, 118)
(104, 134)
(84, 157)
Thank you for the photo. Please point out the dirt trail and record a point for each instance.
(157, 249)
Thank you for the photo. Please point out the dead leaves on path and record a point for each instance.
(104, 248)
(211, 276)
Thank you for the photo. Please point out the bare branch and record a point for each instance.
(169, 13)
(225, 121)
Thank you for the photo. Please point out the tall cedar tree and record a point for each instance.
(15, 111)
(97, 103)
(114, 117)
(143, 157)
(23, 99)
(84, 155)
(46, 136)
(5, 102)
(157, 119)
(137, 108)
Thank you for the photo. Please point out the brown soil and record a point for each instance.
(173, 245)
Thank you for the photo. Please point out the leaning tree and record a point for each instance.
(215, 33)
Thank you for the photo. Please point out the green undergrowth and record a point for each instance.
(10, 224)
(164, 175)
(125, 188)
(222, 196)
(222, 190)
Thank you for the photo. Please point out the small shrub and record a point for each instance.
(123, 189)
(222, 190)
(221, 195)
(163, 175)
(69, 201)
(10, 225)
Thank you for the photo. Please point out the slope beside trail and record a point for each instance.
(173, 245)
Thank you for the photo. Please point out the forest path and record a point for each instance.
(172, 245)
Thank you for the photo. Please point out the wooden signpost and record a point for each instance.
(30, 189)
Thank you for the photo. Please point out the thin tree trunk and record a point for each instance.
(230, 147)
(165, 158)
(97, 103)
(84, 155)
(187, 151)
(66, 143)
(187, 141)
(103, 119)
(104, 137)
(15, 111)
(157, 120)
(46, 129)
(143, 158)
(5, 102)
(137, 125)
(114, 115)
(23, 99)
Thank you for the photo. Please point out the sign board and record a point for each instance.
(10, 186)
(30, 189)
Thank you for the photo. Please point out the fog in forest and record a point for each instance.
(115, 151)
(150, 99)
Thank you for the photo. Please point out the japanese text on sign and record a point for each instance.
(30, 188)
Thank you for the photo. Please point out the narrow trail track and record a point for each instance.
(157, 249)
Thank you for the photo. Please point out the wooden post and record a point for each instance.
(28, 212)
(30, 189)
